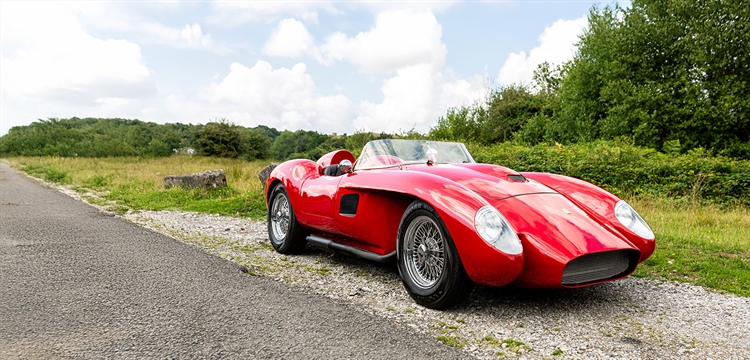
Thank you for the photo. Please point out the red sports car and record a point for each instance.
(450, 223)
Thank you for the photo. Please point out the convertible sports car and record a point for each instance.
(451, 223)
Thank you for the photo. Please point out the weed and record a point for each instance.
(452, 341)
(54, 175)
(488, 341)
(557, 352)
(514, 345)
(98, 181)
(322, 271)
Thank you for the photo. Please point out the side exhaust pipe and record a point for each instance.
(330, 246)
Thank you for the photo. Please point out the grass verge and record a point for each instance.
(698, 243)
(136, 183)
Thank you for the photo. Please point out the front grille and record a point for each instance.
(599, 266)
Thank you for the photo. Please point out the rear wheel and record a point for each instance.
(428, 261)
(286, 234)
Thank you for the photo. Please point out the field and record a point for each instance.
(697, 242)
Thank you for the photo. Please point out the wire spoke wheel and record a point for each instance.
(424, 252)
(428, 261)
(286, 234)
(280, 218)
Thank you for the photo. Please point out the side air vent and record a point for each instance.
(599, 266)
(349, 204)
(517, 178)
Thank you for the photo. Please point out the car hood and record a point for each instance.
(490, 181)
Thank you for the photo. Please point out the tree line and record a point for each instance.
(95, 137)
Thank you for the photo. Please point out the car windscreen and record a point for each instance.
(392, 152)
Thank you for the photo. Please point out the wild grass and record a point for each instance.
(697, 242)
(137, 183)
(703, 244)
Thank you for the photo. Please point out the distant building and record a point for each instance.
(184, 151)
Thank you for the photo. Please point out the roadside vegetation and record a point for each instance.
(654, 107)
(698, 241)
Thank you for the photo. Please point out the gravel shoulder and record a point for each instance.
(633, 318)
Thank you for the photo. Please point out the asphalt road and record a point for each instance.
(75, 282)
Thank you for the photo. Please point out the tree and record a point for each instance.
(297, 144)
(661, 71)
(255, 144)
(219, 138)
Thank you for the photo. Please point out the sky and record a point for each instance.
(332, 67)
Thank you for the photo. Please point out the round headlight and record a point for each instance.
(630, 218)
(492, 226)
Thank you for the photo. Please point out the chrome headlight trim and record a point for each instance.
(630, 218)
(492, 226)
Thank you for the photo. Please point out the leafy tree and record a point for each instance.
(662, 71)
(508, 109)
(460, 124)
(255, 144)
(298, 144)
(219, 138)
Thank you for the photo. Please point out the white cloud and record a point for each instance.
(49, 56)
(122, 19)
(283, 98)
(403, 42)
(52, 67)
(288, 99)
(239, 12)
(432, 6)
(193, 35)
(556, 46)
(415, 98)
(408, 43)
(290, 39)
(399, 39)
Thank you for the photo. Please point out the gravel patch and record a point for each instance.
(632, 318)
(628, 319)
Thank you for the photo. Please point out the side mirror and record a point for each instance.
(345, 166)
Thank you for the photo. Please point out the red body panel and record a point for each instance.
(557, 218)
(598, 203)
(554, 231)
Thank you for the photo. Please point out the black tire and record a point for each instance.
(428, 262)
(286, 234)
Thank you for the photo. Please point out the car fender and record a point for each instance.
(597, 203)
(292, 174)
(457, 206)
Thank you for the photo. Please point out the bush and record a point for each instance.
(220, 139)
(55, 175)
(627, 169)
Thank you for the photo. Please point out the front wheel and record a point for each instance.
(428, 261)
(286, 234)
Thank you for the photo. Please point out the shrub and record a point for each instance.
(627, 169)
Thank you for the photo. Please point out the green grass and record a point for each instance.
(452, 341)
(136, 183)
(697, 242)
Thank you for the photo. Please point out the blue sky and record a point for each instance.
(325, 66)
